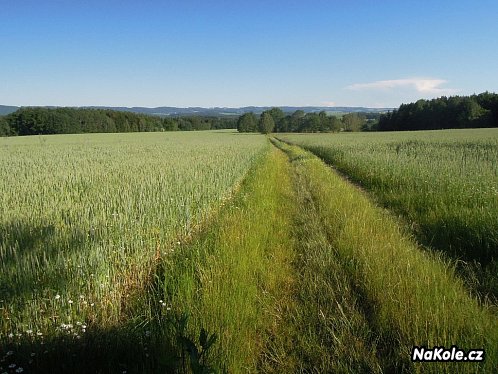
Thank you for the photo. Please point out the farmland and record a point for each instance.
(83, 217)
(226, 252)
(444, 184)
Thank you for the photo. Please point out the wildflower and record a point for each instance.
(82, 297)
(57, 297)
(10, 353)
(12, 366)
(33, 354)
(178, 243)
(11, 335)
(83, 327)
(168, 308)
(39, 333)
(70, 301)
(78, 323)
(29, 332)
(19, 370)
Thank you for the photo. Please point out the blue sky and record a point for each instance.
(237, 53)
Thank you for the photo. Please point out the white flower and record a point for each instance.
(39, 333)
(19, 370)
(10, 353)
(57, 297)
(12, 366)
(29, 332)
(11, 335)
(70, 301)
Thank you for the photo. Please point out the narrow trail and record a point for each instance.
(406, 296)
(331, 333)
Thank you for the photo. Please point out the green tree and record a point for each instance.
(353, 121)
(266, 123)
(278, 118)
(5, 129)
(247, 123)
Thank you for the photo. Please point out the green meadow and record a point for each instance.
(214, 251)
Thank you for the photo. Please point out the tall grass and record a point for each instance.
(412, 297)
(84, 218)
(444, 183)
(327, 327)
(235, 279)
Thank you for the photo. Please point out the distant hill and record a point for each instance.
(166, 111)
(4, 109)
(223, 111)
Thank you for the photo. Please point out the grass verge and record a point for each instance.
(234, 280)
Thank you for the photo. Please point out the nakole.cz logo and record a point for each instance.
(441, 354)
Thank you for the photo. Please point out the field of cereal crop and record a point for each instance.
(222, 252)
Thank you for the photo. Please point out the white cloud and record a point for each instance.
(426, 86)
(329, 103)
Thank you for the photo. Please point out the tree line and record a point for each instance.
(443, 113)
(275, 120)
(41, 121)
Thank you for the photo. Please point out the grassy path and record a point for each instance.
(265, 280)
(302, 273)
(409, 297)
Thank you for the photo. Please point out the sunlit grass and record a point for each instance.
(235, 277)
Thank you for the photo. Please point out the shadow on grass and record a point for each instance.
(161, 346)
(95, 351)
(31, 258)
